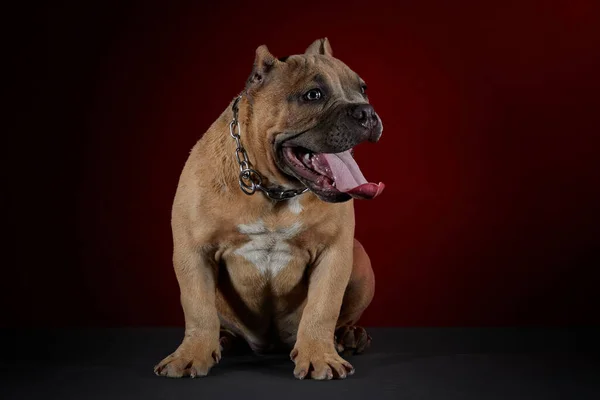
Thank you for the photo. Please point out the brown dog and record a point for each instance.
(281, 267)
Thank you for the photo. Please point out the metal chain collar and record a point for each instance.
(249, 179)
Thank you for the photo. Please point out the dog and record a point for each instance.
(263, 220)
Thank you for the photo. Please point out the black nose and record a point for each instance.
(365, 115)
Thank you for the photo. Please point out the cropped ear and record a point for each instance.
(320, 46)
(264, 62)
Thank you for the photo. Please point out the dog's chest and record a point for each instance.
(268, 248)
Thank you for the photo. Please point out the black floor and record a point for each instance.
(446, 363)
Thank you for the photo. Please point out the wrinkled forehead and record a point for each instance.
(308, 71)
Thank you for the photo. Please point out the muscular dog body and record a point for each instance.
(285, 273)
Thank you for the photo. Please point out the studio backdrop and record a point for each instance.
(489, 153)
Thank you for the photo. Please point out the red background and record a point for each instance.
(489, 153)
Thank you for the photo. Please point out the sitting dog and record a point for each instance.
(280, 268)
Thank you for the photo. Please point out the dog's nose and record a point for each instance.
(365, 115)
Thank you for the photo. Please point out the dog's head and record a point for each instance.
(309, 112)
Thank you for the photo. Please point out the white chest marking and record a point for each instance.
(294, 205)
(267, 249)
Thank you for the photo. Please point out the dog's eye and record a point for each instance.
(313, 95)
(363, 89)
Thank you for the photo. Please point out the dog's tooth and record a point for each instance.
(307, 157)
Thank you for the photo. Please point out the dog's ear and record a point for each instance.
(320, 46)
(264, 62)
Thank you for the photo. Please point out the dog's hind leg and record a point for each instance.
(357, 297)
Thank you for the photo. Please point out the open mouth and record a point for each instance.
(330, 173)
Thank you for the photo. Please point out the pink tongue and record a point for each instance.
(348, 177)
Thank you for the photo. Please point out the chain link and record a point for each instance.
(249, 179)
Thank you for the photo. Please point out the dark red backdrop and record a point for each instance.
(489, 153)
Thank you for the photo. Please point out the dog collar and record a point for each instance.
(250, 179)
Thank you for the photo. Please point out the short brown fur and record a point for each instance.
(328, 282)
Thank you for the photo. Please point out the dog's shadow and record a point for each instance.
(271, 364)
(280, 365)
(277, 364)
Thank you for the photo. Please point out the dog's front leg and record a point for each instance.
(200, 348)
(315, 339)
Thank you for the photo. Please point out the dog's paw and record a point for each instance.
(230, 343)
(319, 361)
(193, 358)
(353, 339)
